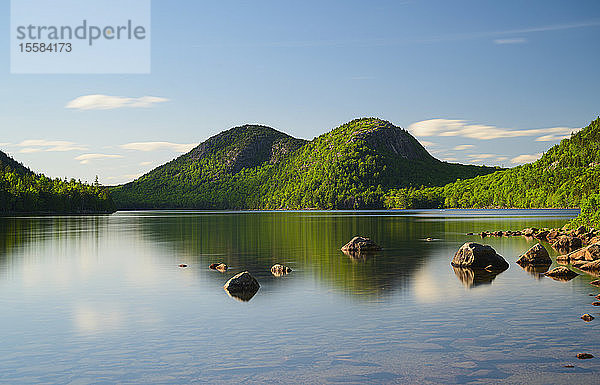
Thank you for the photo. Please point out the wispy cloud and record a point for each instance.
(87, 158)
(515, 40)
(107, 102)
(145, 163)
(39, 145)
(526, 158)
(442, 38)
(463, 147)
(426, 143)
(449, 127)
(155, 146)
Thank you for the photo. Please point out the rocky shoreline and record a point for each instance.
(579, 249)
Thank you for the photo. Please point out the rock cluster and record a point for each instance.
(561, 239)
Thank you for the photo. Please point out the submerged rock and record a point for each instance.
(587, 317)
(219, 266)
(476, 256)
(561, 273)
(535, 256)
(280, 270)
(584, 356)
(360, 245)
(242, 286)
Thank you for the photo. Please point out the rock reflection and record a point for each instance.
(356, 256)
(473, 278)
(536, 270)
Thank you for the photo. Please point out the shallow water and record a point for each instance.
(102, 300)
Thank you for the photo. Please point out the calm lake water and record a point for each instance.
(102, 300)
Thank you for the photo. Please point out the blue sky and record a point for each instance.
(484, 82)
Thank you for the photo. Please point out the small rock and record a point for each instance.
(587, 317)
(568, 366)
(280, 270)
(183, 265)
(561, 273)
(596, 304)
(598, 296)
(537, 255)
(584, 356)
(219, 266)
(595, 283)
(470, 234)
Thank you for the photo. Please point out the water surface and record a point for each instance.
(101, 299)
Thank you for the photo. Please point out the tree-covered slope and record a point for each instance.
(222, 172)
(353, 165)
(22, 191)
(563, 177)
(254, 167)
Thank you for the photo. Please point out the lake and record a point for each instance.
(101, 300)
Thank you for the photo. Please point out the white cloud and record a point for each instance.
(38, 145)
(450, 159)
(502, 158)
(107, 102)
(516, 40)
(526, 158)
(145, 163)
(449, 127)
(425, 143)
(463, 147)
(155, 146)
(86, 158)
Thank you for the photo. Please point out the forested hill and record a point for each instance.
(22, 191)
(257, 167)
(9, 164)
(563, 177)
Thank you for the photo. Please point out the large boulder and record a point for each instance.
(360, 245)
(537, 255)
(242, 286)
(561, 273)
(476, 256)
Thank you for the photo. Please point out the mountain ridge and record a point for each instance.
(258, 167)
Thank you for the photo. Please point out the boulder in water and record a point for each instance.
(242, 283)
(537, 255)
(475, 256)
(561, 273)
(360, 245)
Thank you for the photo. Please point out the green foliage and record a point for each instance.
(590, 213)
(22, 191)
(567, 176)
(256, 167)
